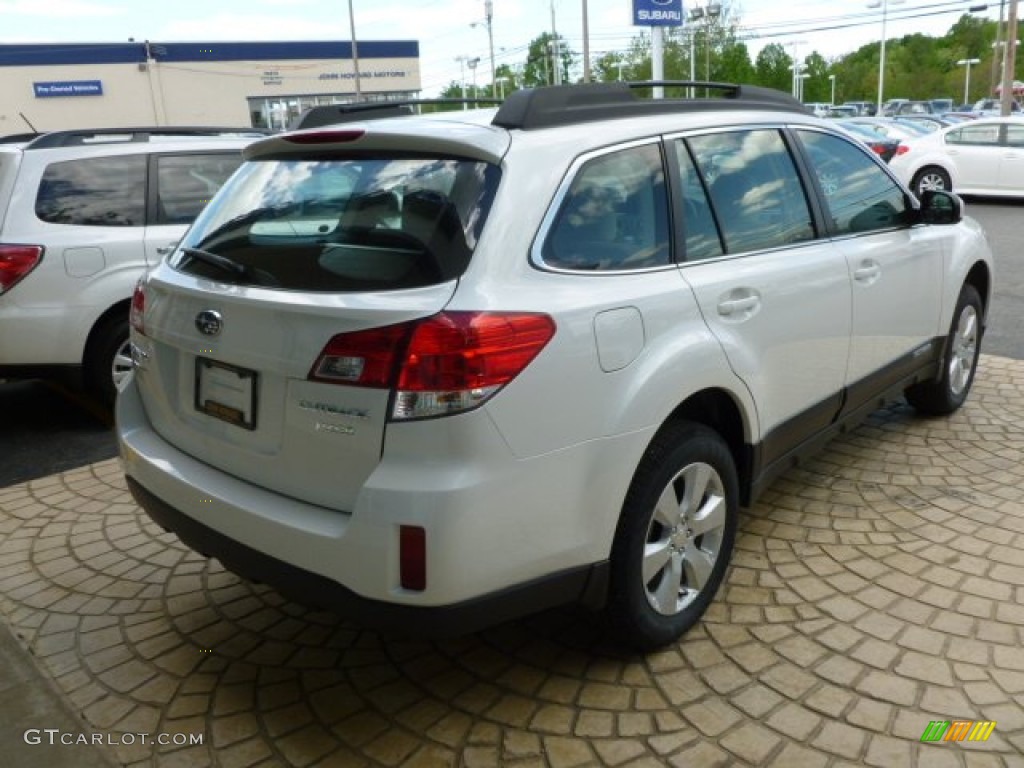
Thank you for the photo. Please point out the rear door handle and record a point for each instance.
(163, 250)
(734, 306)
(867, 274)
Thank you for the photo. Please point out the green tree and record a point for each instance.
(539, 67)
(772, 68)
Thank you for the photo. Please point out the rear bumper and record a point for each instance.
(505, 537)
(585, 584)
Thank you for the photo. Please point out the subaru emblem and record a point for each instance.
(209, 322)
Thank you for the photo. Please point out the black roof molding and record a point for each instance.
(587, 102)
(79, 137)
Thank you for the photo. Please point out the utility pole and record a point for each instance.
(996, 61)
(489, 17)
(1009, 65)
(355, 50)
(556, 55)
(586, 45)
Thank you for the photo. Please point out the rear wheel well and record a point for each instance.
(717, 410)
(115, 312)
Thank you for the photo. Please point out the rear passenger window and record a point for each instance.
(185, 184)
(95, 192)
(614, 216)
(754, 188)
(859, 195)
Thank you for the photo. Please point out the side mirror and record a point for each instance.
(938, 207)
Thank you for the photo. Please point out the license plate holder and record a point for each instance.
(226, 392)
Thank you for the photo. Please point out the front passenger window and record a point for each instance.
(860, 197)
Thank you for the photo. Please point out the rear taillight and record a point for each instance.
(447, 363)
(16, 261)
(138, 310)
(902, 149)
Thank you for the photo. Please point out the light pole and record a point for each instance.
(501, 84)
(832, 79)
(472, 64)
(884, 4)
(556, 54)
(797, 65)
(462, 77)
(705, 15)
(355, 50)
(488, 18)
(967, 76)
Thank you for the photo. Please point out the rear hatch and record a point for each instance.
(267, 341)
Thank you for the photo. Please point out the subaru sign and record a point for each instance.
(68, 88)
(658, 13)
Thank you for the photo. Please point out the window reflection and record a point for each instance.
(859, 195)
(94, 192)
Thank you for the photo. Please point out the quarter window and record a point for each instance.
(615, 215)
(94, 192)
(185, 183)
(754, 188)
(859, 196)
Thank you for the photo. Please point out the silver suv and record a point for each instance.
(437, 372)
(82, 215)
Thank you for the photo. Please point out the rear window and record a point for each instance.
(94, 192)
(342, 224)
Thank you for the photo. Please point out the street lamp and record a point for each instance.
(705, 15)
(884, 4)
(832, 79)
(472, 64)
(462, 77)
(967, 76)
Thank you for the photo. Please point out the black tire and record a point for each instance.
(652, 609)
(931, 177)
(107, 359)
(948, 392)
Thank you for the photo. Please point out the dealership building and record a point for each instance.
(50, 87)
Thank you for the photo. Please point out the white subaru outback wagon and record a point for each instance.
(437, 372)
(82, 215)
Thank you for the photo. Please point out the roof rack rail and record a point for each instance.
(331, 114)
(78, 137)
(17, 138)
(567, 104)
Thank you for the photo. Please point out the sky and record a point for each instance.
(445, 29)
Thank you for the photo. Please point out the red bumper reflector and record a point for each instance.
(412, 555)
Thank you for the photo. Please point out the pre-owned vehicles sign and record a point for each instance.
(68, 88)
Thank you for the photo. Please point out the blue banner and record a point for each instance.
(658, 13)
(68, 88)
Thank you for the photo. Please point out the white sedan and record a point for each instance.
(980, 157)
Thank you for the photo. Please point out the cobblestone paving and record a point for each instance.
(874, 590)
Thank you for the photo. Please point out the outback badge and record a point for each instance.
(209, 322)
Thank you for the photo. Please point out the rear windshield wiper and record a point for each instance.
(216, 260)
